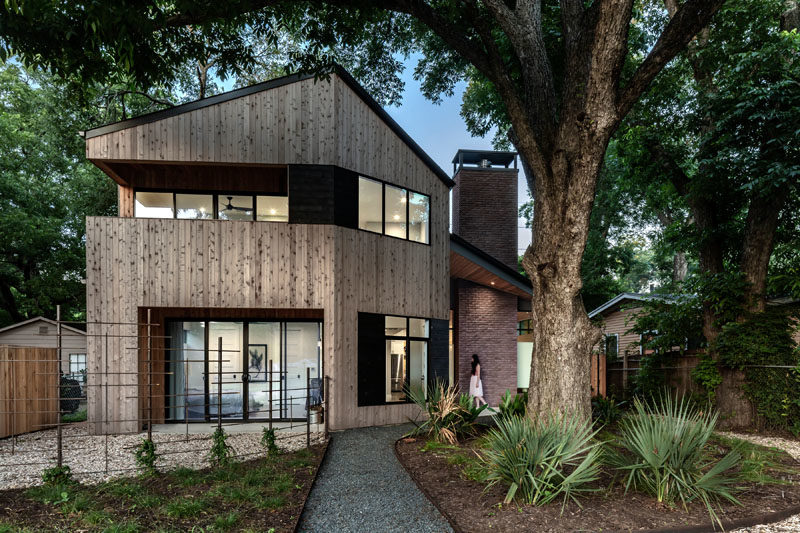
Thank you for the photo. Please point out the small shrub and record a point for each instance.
(448, 413)
(76, 505)
(271, 502)
(185, 507)
(516, 405)
(606, 411)
(57, 475)
(226, 522)
(268, 441)
(543, 459)
(221, 451)
(668, 454)
(146, 456)
(79, 416)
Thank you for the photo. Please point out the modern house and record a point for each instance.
(42, 332)
(298, 223)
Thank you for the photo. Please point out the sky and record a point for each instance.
(440, 131)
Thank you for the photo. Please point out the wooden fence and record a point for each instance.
(28, 389)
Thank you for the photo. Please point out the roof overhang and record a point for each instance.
(473, 264)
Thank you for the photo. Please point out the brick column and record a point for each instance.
(485, 210)
(487, 321)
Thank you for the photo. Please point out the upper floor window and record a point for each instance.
(223, 206)
(392, 210)
(154, 205)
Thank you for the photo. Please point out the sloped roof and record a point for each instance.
(272, 84)
(629, 296)
(40, 319)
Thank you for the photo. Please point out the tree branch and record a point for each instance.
(690, 18)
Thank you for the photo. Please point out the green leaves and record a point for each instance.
(668, 456)
(542, 459)
(448, 413)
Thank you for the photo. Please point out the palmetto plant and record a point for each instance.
(668, 457)
(448, 413)
(543, 459)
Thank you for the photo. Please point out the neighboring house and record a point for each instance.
(296, 221)
(616, 318)
(43, 333)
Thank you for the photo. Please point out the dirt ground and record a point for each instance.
(256, 495)
(471, 508)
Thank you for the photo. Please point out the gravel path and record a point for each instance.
(86, 454)
(792, 447)
(362, 487)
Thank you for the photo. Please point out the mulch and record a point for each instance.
(471, 508)
(19, 509)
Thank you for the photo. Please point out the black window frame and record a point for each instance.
(369, 360)
(409, 191)
(215, 194)
(408, 338)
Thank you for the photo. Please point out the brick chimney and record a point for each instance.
(485, 202)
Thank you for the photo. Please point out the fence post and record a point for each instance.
(149, 380)
(219, 383)
(327, 412)
(308, 407)
(59, 435)
(105, 396)
(270, 394)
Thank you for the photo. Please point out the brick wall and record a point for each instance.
(487, 326)
(485, 210)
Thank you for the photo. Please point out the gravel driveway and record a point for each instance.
(362, 487)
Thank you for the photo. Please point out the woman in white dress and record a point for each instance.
(475, 384)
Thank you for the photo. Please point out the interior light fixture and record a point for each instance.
(403, 200)
(493, 283)
(397, 217)
(272, 211)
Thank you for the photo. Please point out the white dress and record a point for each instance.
(475, 387)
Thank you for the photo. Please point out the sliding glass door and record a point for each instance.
(259, 361)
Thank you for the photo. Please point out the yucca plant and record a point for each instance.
(540, 460)
(448, 413)
(668, 456)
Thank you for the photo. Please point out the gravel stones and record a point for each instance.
(362, 487)
(86, 454)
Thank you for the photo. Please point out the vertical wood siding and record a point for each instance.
(28, 388)
(135, 263)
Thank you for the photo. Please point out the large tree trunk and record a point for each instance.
(563, 336)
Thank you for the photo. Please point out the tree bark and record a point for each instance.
(680, 267)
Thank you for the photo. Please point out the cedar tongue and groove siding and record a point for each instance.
(322, 134)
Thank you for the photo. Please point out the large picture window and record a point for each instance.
(393, 211)
(222, 206)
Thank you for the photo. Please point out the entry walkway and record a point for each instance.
(362, 487)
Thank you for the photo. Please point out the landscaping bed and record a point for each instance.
(264, 494)
(450, 476)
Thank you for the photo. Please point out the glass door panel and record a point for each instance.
(418, 365)
(187, 396)
(395, 370)
(263, 350)
(231, 369)
(302, 349)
